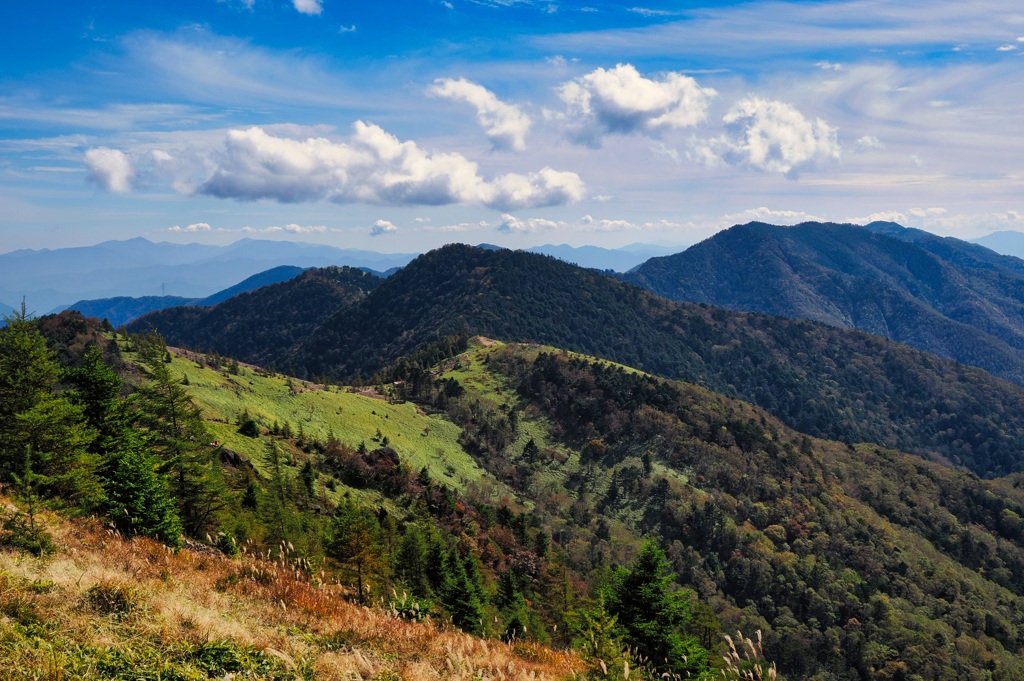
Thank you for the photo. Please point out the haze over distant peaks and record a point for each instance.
(123, 309)
(138, 267)
(615, 259)
(1007, 242)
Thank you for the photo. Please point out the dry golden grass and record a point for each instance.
(101, 597)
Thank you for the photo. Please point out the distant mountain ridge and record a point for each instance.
(614, 259)
(138, 267)
(819, 379)
(1007, 242)
(123, 309)
(948, 297)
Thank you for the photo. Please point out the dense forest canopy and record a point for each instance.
(823, 381)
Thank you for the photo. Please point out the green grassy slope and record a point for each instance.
(421, 440)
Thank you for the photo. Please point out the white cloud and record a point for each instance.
(621, 101)
(645, 12)
(943, 221)
(311, 7)
(558, 61)
(829, 66)
(769, 215)
(347, 29)
(771, 136)
(1006, 48)
(382, 227)
(510, 224)
(763, 29)
(868, 142)
(193, 228)
(373, 167)
(290, 228)
(505, 124)
(111, 169)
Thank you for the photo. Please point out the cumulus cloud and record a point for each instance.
(382, 227)
(309, 6)
(111, 169)
(1006, 48)
(621, 101)
(373, 167)
(771, 136)
(829, 66)
(512, 225)
(193, 228)
(505, 124)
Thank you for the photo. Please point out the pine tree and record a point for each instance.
(137, 497)
(411, 566)
(180, 441)
(355, 544)
(43, 436)
(651, 615)
(96, 388)
(459, 595)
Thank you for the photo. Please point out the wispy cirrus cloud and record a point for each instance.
(770, 28)
(504, 124)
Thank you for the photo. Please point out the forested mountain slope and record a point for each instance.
(857, 562)
(260, 326)
(821, 380)
(948, 297)
(540, 474)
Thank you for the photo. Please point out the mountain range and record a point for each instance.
(857, 500)
(123, 309)
(946, 296)
(818, 379)
(52, 279)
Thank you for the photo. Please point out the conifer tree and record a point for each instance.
(354, 543)
(43, 436)
(137, 497)
(180, 441)
(651, 616)
(411, 566)
(459, 596)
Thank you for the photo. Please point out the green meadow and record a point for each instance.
(319, 411)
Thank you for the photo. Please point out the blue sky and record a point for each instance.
(399, 126)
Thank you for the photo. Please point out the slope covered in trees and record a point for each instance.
(948, 297)
(854, 562)
(260, 326)
(864, 562)
(821, 380)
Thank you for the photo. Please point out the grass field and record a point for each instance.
(318, 411)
